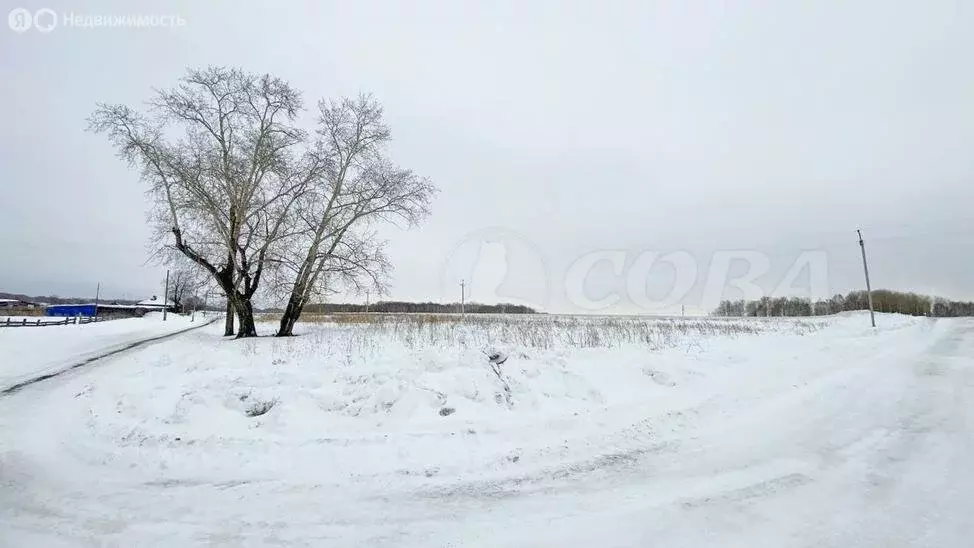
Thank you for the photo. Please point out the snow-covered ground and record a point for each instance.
(26, 352)
(675, 433)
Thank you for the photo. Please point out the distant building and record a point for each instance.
(108, 309)
(156, 304)
(71, 310)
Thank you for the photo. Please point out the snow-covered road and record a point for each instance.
(28, 352)
(843, 437)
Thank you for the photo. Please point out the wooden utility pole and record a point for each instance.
(367, 302)
(97, 294)
(865, 269)
(462, 283)
(165, 297)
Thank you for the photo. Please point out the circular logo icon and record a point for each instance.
(496, 265)
(45, 19)
(19, 19)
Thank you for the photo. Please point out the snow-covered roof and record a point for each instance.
(154, 301)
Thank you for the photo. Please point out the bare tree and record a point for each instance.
(333, 241)
(242, 192)
(218, 152)
(185, 282)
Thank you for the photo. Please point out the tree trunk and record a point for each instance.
(228, 324)
(245, 316)
(291, 314)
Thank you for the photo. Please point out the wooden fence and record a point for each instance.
(39, 322)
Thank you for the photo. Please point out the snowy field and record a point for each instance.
(593, 432)
(26, 352)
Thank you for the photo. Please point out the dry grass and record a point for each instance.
(543, 331)
(356, 318)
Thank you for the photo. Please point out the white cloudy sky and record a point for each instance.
(555, 130)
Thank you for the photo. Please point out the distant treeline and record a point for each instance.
(883, 301)
(429, 308)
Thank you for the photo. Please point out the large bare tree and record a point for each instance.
(220, 153)
(333, 241)
(244, 193)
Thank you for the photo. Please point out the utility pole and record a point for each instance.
(97, 294)
(367, 302)
(865, 269)
(165, 297)
(462, 283)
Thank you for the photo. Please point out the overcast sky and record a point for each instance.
(563, 136)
